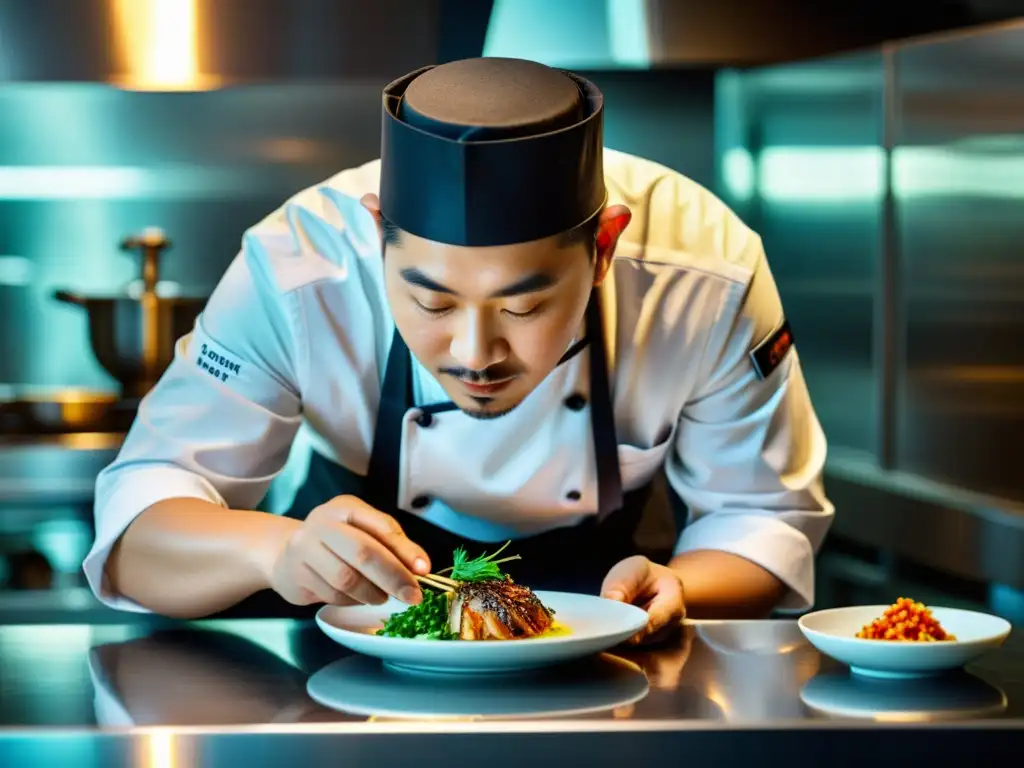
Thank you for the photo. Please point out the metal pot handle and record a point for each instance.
(151, 243)
(69, 298)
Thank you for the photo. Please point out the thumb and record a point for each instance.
(625, 580)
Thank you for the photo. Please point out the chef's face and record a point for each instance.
(491, 323)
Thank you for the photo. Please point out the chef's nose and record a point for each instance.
(474, 345)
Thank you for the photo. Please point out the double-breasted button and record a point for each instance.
(425, 419)
(420, 502)
(576, 402)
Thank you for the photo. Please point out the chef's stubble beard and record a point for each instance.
(484, 415)
(488, 415)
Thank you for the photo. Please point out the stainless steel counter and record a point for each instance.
(268, 692)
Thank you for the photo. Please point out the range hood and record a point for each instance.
(650, 34)
(201, 44)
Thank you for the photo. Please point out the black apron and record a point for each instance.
(574, 558)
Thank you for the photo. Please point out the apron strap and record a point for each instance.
(396, 397)
(602, 415)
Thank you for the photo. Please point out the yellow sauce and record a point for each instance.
(557, 629)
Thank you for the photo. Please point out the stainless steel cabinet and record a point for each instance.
(889, 188)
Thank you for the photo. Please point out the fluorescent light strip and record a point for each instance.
(75, 182)
(110, 182)
(837, 175)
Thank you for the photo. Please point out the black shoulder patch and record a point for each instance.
(767, 355)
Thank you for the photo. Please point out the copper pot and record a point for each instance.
(133, 338)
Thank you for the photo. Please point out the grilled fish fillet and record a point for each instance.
(497, 609)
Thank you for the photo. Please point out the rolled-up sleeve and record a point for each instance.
(750, 452)
(218, 425)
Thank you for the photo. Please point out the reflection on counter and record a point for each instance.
(361, 685)
(230, 673)
(186, 677)
(958, 696)
(744, 671)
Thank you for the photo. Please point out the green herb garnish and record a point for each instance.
(426, 621)
(482, 568)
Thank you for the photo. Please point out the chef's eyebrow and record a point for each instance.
(536, 281)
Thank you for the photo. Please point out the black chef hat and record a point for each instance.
(491, 151)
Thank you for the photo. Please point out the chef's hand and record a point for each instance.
(655, 588)
(345, 553)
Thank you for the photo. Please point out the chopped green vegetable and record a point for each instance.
(426, 621)
(480, 569)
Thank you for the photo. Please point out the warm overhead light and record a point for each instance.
(158, 42)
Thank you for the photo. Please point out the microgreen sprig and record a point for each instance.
(479, 569)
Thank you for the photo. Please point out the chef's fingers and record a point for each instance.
(342, 576)
(625, 581)
(374, 561)
(384, 528)
(666, 606)
(319, 590)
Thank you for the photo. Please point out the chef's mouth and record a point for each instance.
(483, 384)
(485, 390)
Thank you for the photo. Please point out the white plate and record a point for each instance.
(833, 632)
(359, 685)
(596, 625)
(954, 696)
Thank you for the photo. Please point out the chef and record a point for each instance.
(500, 330)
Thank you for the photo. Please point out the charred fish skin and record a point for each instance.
(497, 609)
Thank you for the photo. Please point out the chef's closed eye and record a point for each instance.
(525, 309)
(431, 305)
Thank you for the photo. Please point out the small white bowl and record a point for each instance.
(834, 633)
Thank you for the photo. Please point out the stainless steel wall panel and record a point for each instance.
(801, 161)
(887, 186)
(959, 191)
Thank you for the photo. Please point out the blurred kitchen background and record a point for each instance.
(878, 147)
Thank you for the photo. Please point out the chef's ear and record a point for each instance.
(611, 223)
(371, 203)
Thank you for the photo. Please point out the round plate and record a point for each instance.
(595, 625)
(953, 696)
(833, 632)
(360, 685)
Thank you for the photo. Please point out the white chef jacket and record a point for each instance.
(296, 336)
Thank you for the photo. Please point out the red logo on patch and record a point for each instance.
(767, 355)
(780, 347)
